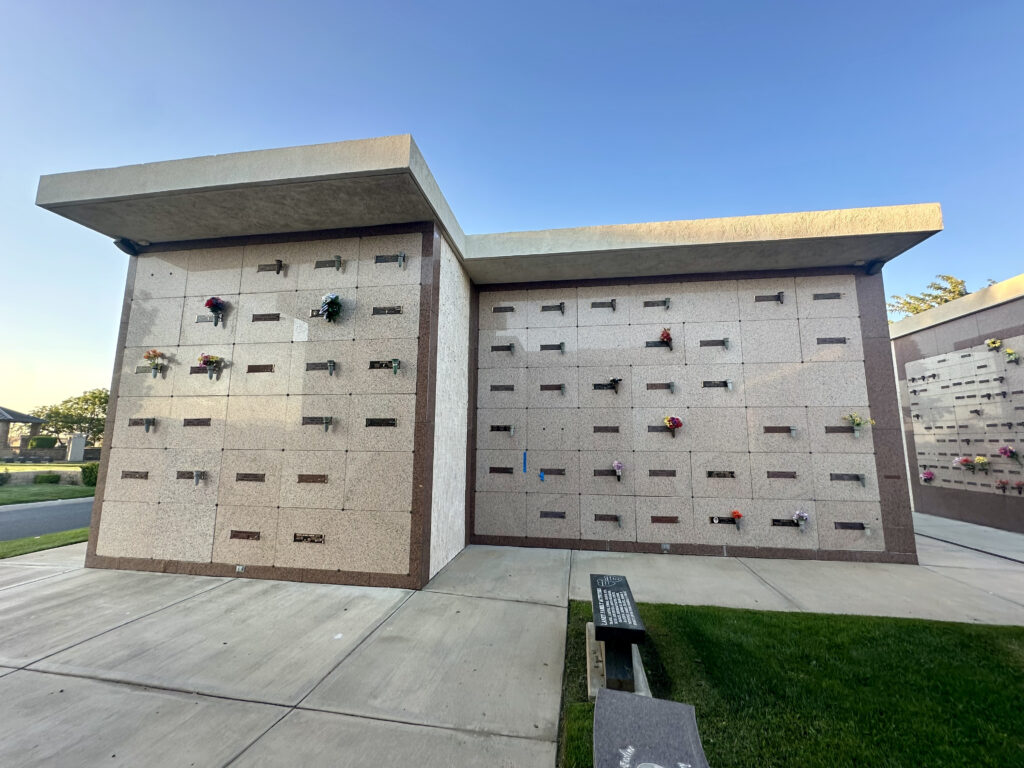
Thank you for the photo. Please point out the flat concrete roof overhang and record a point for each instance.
(362, 183)
(863, 237)
(373, 182)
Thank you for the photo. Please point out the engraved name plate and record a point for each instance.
(658, 343)
(501, 427)
(387, 310)
(500, 470)
(501, 348)
(205, 318)
(380, 365)
(661, 473)
(781, 475)
(553, 471)
(604, 473)
(196, 422)
(499, 310)
(609, 429)
(721, 473)
(771, 297)
(389, 258)
(260, 369)
(552, 347)
(720, 520)
(714, 343)
(308, 421)
(777, 430)
(849, 526)
(247, 535)
(382, 422)
(552, 515)
(266, 317)
(137, 422)
(658, 428)
(503, 387)
(552, 387)
(559, 307)
(714, 384)
(249, 477)
(657, 303)
(316, 366)
(843, 476)
(606, 518)
(129, 474)
(312, 478)
(664, 519)
(609, 385)
(838, 430)
(337, 263)
(831, 339)
(603, 305)
(276, 267)
(308, 538)
(785, 523)
(660, 385)
(826, 296)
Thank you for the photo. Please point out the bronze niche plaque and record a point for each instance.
(382, 422)
(849, 526)
(838, 430)
(714, 343)
(826, 296)
(609, 430)
(249, 535)
(501, 470)
(312, 478)
(128, 474)
(777, 430)
(664, 519)
(841, 476)
(195, 422)
(498, 310)
(661, 473)
(387, 311)
(659, 385)
(771, 297)
(781, 475)
(604, 473)
(557, 471)
(552, 515)
(503, 387)
(316, 366)
(308, 538)
(267, 317)
(661, 303)
(501, 348)
(260, 369)
(831, 339)
(276, 267)
(606, 518)
(197, 369)
(560, 347)
(785, 523)
(249, 477)
(309, 421)
(722, 473)
(136, 422)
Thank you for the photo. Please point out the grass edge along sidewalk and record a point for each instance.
(797, 689)
(29, 494)
(30, 544)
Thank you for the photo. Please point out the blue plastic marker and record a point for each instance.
(542, 475)
(524, 462)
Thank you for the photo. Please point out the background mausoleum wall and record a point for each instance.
(762, 373)
(278, 487)
(961, 398)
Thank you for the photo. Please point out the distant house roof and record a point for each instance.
(8, 414)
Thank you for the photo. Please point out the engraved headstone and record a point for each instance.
(631, 731)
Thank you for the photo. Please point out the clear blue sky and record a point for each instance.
(531, 115)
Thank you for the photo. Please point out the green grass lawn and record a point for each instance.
(791, 689)
(40, 467)
(23, 494)
(17, 547)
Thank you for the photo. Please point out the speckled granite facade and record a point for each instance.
(573, 378)
(279, 460)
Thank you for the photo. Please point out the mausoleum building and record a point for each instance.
(320, 377)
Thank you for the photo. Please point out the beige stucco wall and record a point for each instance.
(361, 503)
(448, 523)
(782, 374)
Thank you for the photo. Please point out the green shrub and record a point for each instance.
(47, 479)
(5, 477)
(90, 473)
(40, 442)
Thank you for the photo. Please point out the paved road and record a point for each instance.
(20, 520)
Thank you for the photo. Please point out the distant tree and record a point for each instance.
(946, 288)
(86, 413)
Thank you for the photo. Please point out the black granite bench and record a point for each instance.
(618, 625)
(641, 732)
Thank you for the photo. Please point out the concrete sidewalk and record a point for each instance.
(123, 668)
(993, 541)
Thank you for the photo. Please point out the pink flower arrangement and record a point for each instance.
(927, 476)
(1009, 452)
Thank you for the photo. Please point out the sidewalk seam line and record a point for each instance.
(965, 546)
(784, 595)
